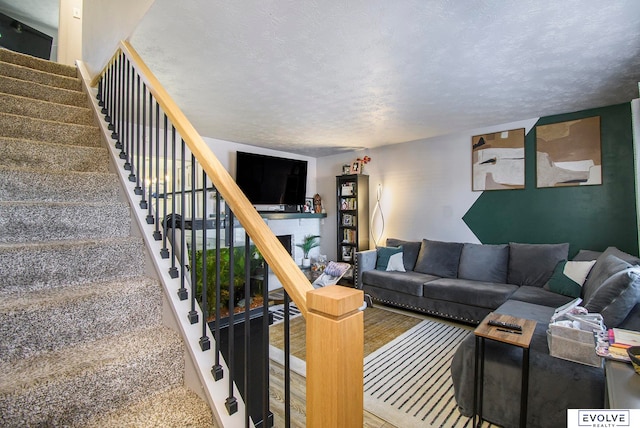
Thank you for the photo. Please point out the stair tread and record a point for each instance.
(50, 367)
(29, 74)
(10, 85)
(13, 57)
(40, 299)
(45, 109)
(177, 407)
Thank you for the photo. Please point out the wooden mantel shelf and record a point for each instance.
(287, 216)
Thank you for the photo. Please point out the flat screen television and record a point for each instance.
(270, 180)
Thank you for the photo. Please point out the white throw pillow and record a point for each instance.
(578, 271)
(396, 263)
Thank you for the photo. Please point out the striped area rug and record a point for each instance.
(278, 312)
(407, 382)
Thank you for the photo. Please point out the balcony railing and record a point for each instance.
(175, 183)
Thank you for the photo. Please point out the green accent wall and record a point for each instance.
(588, 217)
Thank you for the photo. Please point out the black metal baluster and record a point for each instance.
(143, 201)
(124, 127)
(217, 370)
(247, 325)
(132, 123)
(205, 343)
(99, 94)
(149, 217)
(266, 414)
(287, 363)
(193, 314)
(182, 292)
(156, 234)
(117, 100)
(106, 94)
(173, 270)
(231, 403)
(164, 252)
(138, 190)
(111, 100)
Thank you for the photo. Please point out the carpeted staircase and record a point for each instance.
(82, 340)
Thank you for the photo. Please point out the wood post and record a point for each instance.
(335, 353)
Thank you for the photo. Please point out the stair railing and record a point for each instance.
(173, 179)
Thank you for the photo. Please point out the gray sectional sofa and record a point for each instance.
(465, 282)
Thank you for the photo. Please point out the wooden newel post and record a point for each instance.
(335, 352)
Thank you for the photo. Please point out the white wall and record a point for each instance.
(104, 24)
(426, 187)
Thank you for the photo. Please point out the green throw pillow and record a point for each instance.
(568, 277)
(384, 254)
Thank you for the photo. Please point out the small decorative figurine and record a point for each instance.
(317, 204)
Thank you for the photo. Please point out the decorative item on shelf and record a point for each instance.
(362, 162)
(308, 205)
(347, 254)
(317, 204)
(308, 243)
(346, 169)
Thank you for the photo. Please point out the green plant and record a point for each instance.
(255, 262)
(308, 243)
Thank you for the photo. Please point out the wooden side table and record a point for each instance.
(520, 339)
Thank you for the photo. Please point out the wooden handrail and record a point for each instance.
(280, 262)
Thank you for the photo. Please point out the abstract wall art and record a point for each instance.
(569, 153)
(498, 160)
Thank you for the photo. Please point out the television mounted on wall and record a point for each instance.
(270, 180)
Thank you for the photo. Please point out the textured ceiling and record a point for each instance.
(321, 76)
(317, 77)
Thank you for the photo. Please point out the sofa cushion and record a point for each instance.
(410, 250)
(533, 264)
(409, 282)
(617, 295)
(487, 263)
(439, 258)
(605, 267)
(384, 255)
(568, 277)
(539, 296)
(474, 293)
(586, 255)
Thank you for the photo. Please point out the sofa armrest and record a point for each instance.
(365, 260)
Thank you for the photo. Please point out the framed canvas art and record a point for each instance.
(569, 153)
(498, 160)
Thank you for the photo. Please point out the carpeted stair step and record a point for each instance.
(26, 185)
(30, 267)
(36, 76)
(70, 386)
(53, 319)
(177, 407)
(14, 126)
(46, 110)
(23, 88)
(16, 152)
(24, 60)
(55, 221)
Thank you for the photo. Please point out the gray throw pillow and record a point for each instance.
(533, 264)
(615, 298)
(410, 250)
(439, 258)
(609, 262)
(488, 263)
(587, 255)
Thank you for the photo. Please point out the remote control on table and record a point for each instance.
(505, 325)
